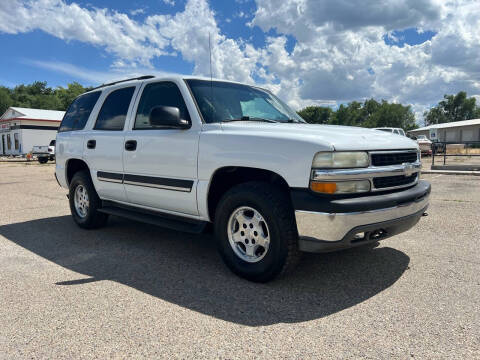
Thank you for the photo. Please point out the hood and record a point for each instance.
(339, 138)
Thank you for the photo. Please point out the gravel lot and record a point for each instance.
(134, 290)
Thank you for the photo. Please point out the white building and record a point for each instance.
(22, 128)
(461, 131)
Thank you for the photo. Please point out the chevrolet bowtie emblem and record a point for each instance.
(408, 169)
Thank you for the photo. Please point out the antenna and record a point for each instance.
(211, 72)
(210, 53)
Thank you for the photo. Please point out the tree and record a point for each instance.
(452, 108)
(39, 96)
(316, 114)
(370, 114)
(5, 99)
(67, 95)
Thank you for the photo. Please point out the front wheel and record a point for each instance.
(256, 231)
(85, 203)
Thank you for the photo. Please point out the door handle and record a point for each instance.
(131, 145)
(91, 144)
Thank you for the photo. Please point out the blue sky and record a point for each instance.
(231, 16)
(307, 51)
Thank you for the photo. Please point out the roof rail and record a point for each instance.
(144, 77)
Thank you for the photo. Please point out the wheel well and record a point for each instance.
(225, 178)
(73, 166)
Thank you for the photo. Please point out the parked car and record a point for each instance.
(424, 144)
(185, 152)
(396, 131)
(44, 153)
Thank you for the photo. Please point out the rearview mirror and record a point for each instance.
(167, 116)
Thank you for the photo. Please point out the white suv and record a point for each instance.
(183, 152)
(396, 131)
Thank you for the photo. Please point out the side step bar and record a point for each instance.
(154, 218)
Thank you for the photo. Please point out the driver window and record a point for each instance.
(158, 94)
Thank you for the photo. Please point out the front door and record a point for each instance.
(104, 144)
(160, 163)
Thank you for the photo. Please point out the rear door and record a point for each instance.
(160, 163)
(103, 149)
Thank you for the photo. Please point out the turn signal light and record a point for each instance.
(341, 187)
(323, 187)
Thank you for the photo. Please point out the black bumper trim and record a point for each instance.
(306, 200)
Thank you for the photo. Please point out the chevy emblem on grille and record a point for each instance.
(408, 169)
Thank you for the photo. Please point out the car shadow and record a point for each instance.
(186, 270)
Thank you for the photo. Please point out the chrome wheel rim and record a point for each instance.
(248, 234)
(81, 201)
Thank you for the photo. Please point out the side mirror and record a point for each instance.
(168, 117)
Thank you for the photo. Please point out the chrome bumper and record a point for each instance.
(334, 227)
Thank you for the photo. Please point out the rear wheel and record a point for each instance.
(43, 160)
(84, 202)
(256, 231)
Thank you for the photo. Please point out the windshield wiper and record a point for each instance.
(248, 118)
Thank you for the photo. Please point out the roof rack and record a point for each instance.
(144, 77)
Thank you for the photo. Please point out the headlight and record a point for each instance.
(341, 187)
(340, 160)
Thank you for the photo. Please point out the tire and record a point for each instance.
(43, 160)
(280, 254)
(85, 214)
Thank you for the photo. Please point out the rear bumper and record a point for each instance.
(364, 219)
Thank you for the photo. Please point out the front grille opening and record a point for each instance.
(391, 181)
(393, 158)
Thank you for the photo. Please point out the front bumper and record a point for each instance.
(328, 225)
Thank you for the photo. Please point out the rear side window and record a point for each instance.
(78, 112)
(159, 94)
(114, 110)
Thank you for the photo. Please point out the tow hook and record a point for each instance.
(425, 214)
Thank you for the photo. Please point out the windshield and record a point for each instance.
(421, 137)
(223, 101)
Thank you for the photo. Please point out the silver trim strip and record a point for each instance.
(334, 226)
(366, 173)
(118, 181)
(165, 187)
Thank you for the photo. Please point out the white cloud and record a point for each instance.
(169, 2)
(95, 77)
(137, 12)
(340, 54)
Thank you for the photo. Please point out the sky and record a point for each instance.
(309, 52)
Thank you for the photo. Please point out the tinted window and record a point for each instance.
(222, 101)
(114, 110)
(159, 94)
(52, 143)
(78, 112)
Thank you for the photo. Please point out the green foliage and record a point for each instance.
(39, 96)
(370, 113)
(452, 108)
(317, 114)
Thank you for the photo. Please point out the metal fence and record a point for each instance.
(440, 148)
